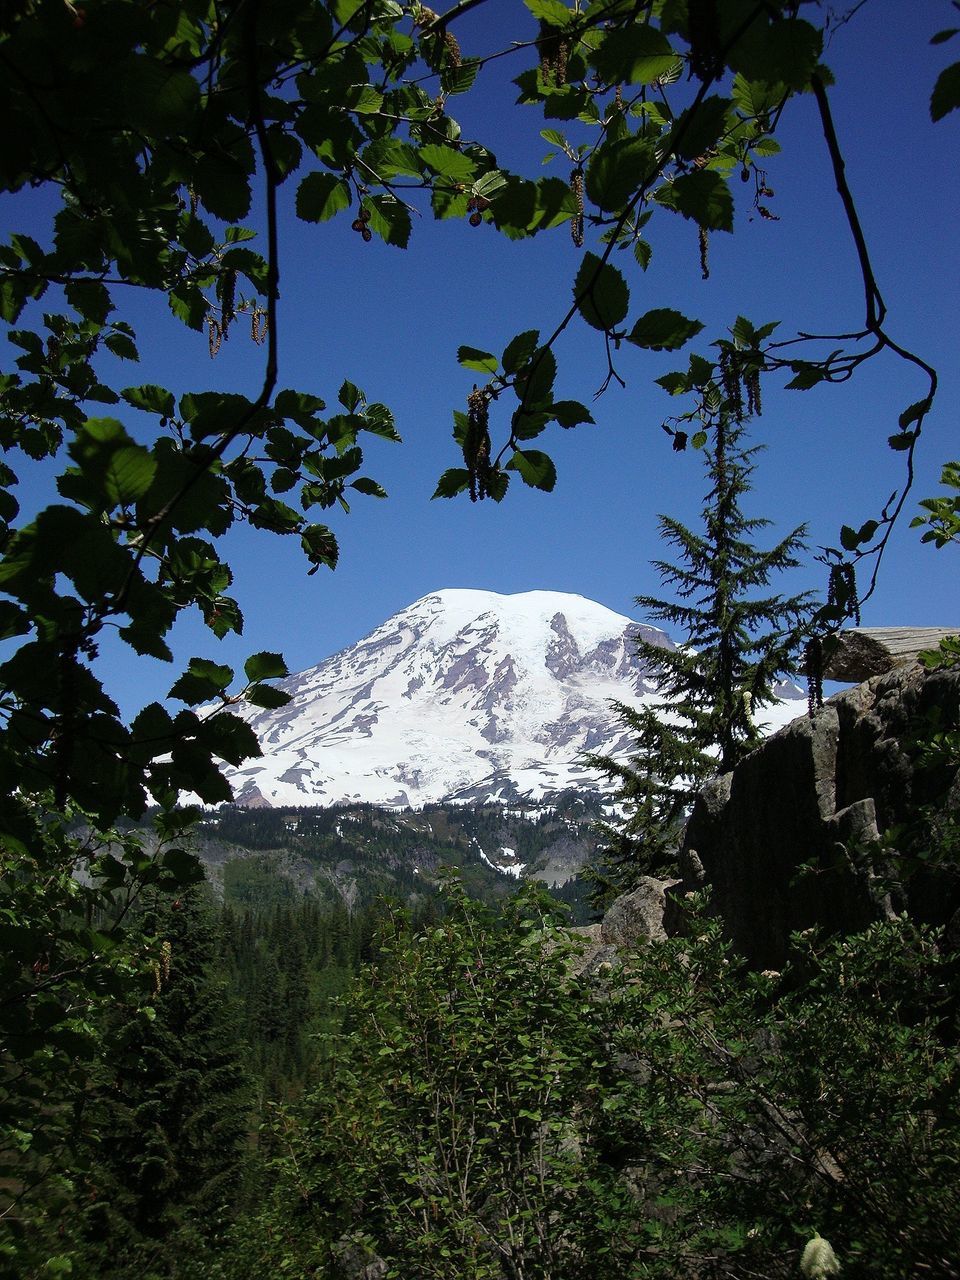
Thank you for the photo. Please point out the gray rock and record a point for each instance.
(353, 1259)
(637, 916)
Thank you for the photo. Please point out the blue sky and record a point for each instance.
(392, 320)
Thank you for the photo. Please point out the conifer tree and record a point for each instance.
(739, 641)
(170, 1125)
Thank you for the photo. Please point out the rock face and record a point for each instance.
(821, 792)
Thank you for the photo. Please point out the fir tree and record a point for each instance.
(739, 642)
(171, 1124)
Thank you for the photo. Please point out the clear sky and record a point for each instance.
(392, 320)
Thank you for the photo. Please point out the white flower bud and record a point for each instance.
(819, 1261)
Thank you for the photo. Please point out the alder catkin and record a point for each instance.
(476, 446)
(576, 225)
(228, 296)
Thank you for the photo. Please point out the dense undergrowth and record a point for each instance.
(473, 1107)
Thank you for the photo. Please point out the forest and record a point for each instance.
(225, 1081)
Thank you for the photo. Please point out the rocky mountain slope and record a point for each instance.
(355, 854)
(465, 696)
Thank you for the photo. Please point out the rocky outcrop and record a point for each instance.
(631, 920)
(820, 794)
(637, 917)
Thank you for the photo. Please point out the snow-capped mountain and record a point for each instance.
(465, 695)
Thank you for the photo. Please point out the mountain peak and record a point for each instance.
(463, 695)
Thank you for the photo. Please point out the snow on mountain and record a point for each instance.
(465, 695)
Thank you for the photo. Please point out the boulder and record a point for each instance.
(637, 916)
(354, 1259)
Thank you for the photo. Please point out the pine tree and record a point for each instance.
(738, 643)
(171, 1124)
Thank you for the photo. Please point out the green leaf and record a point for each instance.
(122, 346)
(265, 695)
(298, 405)
(230, 738)
(806, 376)
(553, 12)
(201, 681)
(210, 413)
(157, 96)
(90, 298)
(603, 298)
(379, 421)
(663, 330)
(114, 468)
(389, 158)
(150, 398)
(389, 219)
(488, 184)
(481, 361)
(363, 99)
(350, 396)
(783, 52)
(699, 128)
(368, 487)
(518, 350)
(525, 208)
(497, 482)
(182, 867)
(320, 546)
(618, 170)
(460, 79)
(188, 304)
(264, 666)
(536, 469)
(452, 482)
(570, 413)
(129, 474)
(900, 443)
(703, 196)
(915, 412)
(321, 196)
(222, 186)
(534, 385)
(447, 162)
(635, 54)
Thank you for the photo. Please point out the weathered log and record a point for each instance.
(861, 652)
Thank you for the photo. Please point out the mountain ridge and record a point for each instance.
(465, 695)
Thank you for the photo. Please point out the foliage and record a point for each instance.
(168, 1118)
(447, 1129)
(483, 1112)
(737, 645)
(70, 951)
(823, 1096)
(942, 514)
(654, 787)
(151, 182)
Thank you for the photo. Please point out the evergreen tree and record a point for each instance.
(654, 786)
(171, 1123)
(739, 641)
